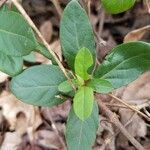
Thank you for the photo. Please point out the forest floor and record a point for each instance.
(24, 127)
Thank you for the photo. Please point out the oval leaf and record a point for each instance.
(38, 85)
(81, 135)
(10, 65)
(83, 102)
(83, 61)
(65, 87)
(125, 63)
(117, 6)
(75, 32)
(100, 85)
(16, 36)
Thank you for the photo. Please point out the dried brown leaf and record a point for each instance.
(46, 30)
(136, 34)
(48, 139)
(11, 141)
(21, 117)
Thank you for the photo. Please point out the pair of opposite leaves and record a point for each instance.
(84, 97)
(38, 85)
(122, 65)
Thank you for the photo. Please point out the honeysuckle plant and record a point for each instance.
(46, 85)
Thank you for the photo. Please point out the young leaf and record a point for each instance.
(83, 61)
(10, 65)
(16, 36)
(117, 6)
(65, 87)
(100, 85)
(38, 85)
(83, 102)
(80, 81)
(125, 63)
(75, 32)
(80, 135)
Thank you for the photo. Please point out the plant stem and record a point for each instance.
(57, 6)
(2, 2)
(129, 106)
(113, 118)
(30, 22)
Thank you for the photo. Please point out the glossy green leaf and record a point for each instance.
(125, 63)
(117, 6)
(38, 85)
(81, 135)
(100, 85)
(83, 102)
(16, 36)
(10, 65)
(75, 32)
(83, 62)
(65, 87)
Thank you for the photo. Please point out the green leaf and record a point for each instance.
(125, 63)
(100, 85)
(117, 6)
(79, 81)
(30, 58)
(38, 85)
(65, 87)
(10, 65)
(16, 36)
(75, 32)
(83, 62)
(81, 135)
(4, 8)
(83, 102)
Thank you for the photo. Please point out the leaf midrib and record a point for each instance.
(38, 87)
(80, 134)
(122, 63)
(18, 35)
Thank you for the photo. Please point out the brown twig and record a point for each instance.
(108, 140)
(101, 22)
(148, 5)
(127, 123)
(129, 106)
(113, 118)
(84, 3)
(57, 6)
(30, 22)
(2, 2)
(116, 105)
(55, 129)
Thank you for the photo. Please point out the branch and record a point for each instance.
(30, 22)
(148, 5)
(57, 6)
(55, 129)
(2, 2)
(113, 118)
(129, 106)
